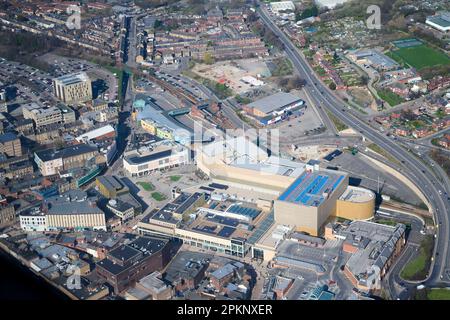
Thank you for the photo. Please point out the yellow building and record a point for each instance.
(95, 220)
(73, 210)
(148, 126)
(318, 195)
(356, 204)
(156, 130)
(164, 133)
(110, 186)
(307, 204)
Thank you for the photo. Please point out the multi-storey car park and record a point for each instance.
(274, 108)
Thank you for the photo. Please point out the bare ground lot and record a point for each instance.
(231, 72)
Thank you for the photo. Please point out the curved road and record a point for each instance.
(417, 171)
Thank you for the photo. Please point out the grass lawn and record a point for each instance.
(417, 268)
(175, 178)
(386, 222)
(438, 294)
(384, 153)
(320, 71)
(147, 186)
(283, 67)
(158, 196)
(420, 57)
(390, 97)
(337, 123)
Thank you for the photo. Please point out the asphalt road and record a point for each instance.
(417, 171)
(227, 107)
(398, 288)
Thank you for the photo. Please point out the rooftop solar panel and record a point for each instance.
(309, 188)
(226, 232)
(248, 212)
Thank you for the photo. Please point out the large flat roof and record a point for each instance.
(141, 245)
(442, 19)
(70, 79)
(7, 137)
(235, 150)
(272, 165)
(51, 154)
(110, 182)
(73, 208)
(96, 133)
(357, 195)
(310, 187)
(151, 157)
(124, 253)
(274, 102)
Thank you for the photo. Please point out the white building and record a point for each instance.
(252, 81)
(440, 21)
(123, 210)
(330, 4)
(33, 221)
(96, 133)
(282, 6)
(155, 157)
(72, 210)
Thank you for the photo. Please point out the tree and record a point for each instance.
(307, 13)
(364, 80)
(158, 25)
(282, 82)
(332, 86)
(296, 83)
(398, 23)
(335, 56)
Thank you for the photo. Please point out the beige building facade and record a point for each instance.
(73, 88)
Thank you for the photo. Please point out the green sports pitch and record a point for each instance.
(419, 57)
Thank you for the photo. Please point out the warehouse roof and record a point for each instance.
(442, 19)
(274, 102)
(7, 137)
(93, 134)
(112, 183)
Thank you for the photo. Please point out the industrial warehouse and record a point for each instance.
(274, 108)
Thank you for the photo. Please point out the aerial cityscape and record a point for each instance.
(225, 150)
